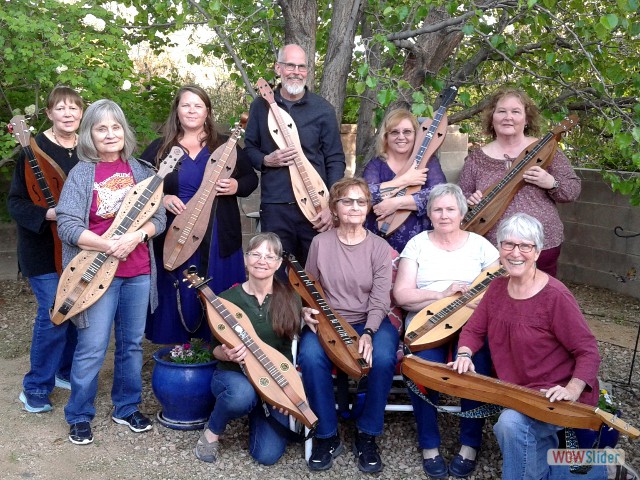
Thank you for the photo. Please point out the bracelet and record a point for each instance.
(368, 331)
(464, 355)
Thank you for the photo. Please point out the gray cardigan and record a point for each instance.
(73, 219)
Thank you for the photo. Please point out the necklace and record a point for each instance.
(69, 149)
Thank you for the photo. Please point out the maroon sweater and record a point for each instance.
(538, 342)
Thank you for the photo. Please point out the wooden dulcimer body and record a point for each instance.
(336, 335)
(435, 324)
(273, 376)
(429, 138)
(88, 276)
(439, 377)
(187, 230)
(482, 217)
(43, 177)
(309, 189)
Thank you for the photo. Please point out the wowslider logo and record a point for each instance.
(585, 456)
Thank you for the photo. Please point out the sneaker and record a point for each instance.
(366, 451)
(461, 467)
(35, 402)
(80, 433)
(323, 453)
(435, 467)
(205, 450)
(137, 422)
(63, 383)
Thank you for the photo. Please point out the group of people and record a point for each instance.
(528, 327)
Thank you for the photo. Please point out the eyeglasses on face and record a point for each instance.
(270, 258)
(523, 247)
(290, 67)
(396, 133)
(350, 202)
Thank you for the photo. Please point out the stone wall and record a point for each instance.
(592, 253)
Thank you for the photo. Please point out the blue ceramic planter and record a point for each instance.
(183, 391)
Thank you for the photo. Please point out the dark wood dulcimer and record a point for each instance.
(429, 138)
(308, 187)
(89, 274)
(187, 230)
(336, 335)
(495, 200)
(435, 324)
(43, 176)
(273, 376)
(440, 377)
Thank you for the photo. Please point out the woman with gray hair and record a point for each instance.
(434, 265)
(538, 339)
(89, 202)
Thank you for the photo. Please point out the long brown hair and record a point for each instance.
(284, 309)
(172, 130)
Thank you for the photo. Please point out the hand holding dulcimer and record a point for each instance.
(311, 194)
(43, 176)
(429, 138)
(275, 379)
(187, 230)
(337, 337)
(88, 276)
(532, 403)
(495, 200)
(435, 324)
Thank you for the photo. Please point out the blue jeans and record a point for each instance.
(235, 398)
(427, 416)
(123, 307)
(318, 382)
(52, 345)
(524, 443)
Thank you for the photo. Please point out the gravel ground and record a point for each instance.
(35, 446)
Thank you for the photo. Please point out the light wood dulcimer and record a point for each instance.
(429, 138)
(308, 187)
(43, 177)
(435, 324)
(89, 274)
(495, 200)
(440, 377)
(336, 335)
(187, 230)
(273, 376)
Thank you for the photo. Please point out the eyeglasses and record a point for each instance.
(290, 67)
(523, 247)
(270, 258)
(396, 133)
(350, 202)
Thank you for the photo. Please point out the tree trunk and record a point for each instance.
(345, 18)
(300, 25)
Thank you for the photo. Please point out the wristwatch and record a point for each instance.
(556, 185)
(144, 236)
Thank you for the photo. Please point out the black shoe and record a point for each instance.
(435, 467)
(461, 467)
(324, 451)
(366, 451)
(80, 433)
(137, 422)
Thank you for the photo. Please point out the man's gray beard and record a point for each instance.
(294, 89)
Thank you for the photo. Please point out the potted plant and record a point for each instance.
(181, 381)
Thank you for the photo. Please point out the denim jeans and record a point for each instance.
(123, 307)
(318, 382)
(524, 442)
(52, 345)
(235, 398)
(427, 416)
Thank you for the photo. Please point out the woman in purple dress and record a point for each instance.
(395, 143)
(179, 316)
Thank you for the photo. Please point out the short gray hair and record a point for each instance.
(522, 226)
(444, 189)
(96, 113)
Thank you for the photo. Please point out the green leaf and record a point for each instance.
(418, 97)
(360, 87)
(609, 21)
(371, 82)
